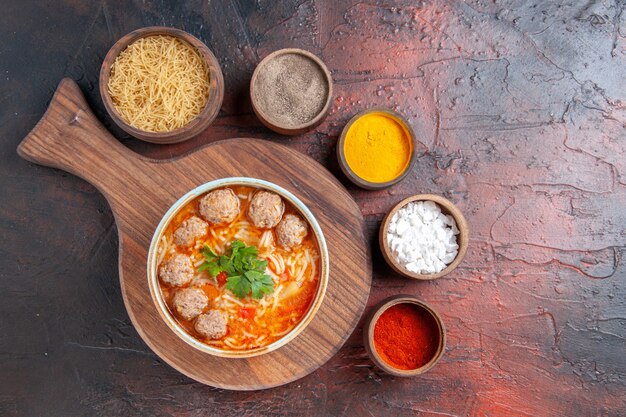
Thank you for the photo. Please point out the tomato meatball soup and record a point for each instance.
(238, 267)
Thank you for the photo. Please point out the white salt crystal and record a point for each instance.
(448, 257)
(450, 247)
(439, 265)
(403, 224)
(422, 238)
(418, 208)
(431, 206)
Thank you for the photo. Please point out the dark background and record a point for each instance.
(521, 108)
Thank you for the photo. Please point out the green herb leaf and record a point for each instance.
(239, 285)
(208, 253)
(260, 284)
(246, 271)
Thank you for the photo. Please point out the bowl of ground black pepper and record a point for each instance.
(291, 91)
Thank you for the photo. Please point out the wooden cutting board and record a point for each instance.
(140, 190)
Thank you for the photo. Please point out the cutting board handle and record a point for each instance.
(70, 137)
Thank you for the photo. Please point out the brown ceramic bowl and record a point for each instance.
(195, 126)
(343, 164)
(447, 207)
(270, 121)
(370, 324)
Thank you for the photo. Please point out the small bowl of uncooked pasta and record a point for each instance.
(161, 85)
(424, 237)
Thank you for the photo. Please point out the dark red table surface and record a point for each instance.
(520, 108)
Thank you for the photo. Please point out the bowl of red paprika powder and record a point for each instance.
(404, 336)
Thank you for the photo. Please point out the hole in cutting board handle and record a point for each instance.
(70, 137)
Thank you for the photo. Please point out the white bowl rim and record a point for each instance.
(155, 290)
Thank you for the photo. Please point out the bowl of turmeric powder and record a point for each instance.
(376, 149)
(404, 336)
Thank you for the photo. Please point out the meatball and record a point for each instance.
(211, 325)
(177, 270)
(189, 230)
(189, 302)
(291, 230)
(266, 209)
(220, 206)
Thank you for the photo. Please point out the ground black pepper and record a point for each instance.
(290, 90)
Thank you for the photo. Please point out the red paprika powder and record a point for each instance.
(406, 336)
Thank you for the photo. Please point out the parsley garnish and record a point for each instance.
(246, 271)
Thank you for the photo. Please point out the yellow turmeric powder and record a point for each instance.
(378, 147)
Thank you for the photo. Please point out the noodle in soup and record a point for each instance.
(202, 304)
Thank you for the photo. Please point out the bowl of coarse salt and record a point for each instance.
(424, 237)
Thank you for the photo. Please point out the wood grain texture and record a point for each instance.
(140, 191)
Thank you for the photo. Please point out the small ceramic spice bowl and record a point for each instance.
(447, 208)
(377, 149)
(193, 127)
(291, 91)
(404, 336)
